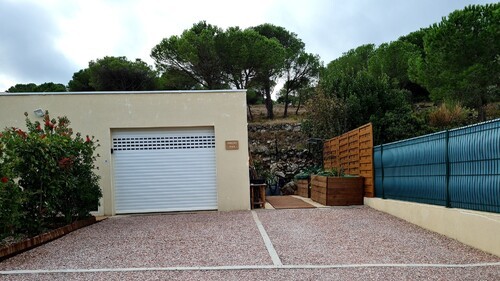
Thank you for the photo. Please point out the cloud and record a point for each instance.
(27, 52)
(93, 29)
(332, 27)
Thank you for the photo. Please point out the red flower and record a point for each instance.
(88, 139)
(1, 135)
(49, 124)
(39, 128)
(65, 163)
(5, 179)
(21, 133)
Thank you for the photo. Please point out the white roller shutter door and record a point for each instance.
(164, 170)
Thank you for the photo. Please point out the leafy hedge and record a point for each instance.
(46, 176)
(306, 173)
(334, 172)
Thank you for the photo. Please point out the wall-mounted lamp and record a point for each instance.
(39, 112)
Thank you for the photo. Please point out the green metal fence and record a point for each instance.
(459, 168)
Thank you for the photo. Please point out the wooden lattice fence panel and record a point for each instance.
(328, 157)
(353, 152)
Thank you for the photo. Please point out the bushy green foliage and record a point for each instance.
(174, 79)
(11, 200)
(49, 175)
(451, 115)
(253, 58)
(393, 60)
(461, 59)
(455, 60)
(354, 96)
(325, 117)
(193, 53)
(120, 74)
(80, 81)
(306, 174)
(115, 74)
(32, 87)
(333, 172)
(337, 76)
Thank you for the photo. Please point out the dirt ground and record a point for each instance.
(259, 113)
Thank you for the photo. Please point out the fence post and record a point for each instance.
(447, 159)
(382, 168)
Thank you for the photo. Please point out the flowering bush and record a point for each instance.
(49, 173)
(10, 205)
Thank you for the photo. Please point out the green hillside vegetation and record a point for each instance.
(440, 77)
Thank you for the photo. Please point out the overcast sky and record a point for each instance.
(48, 40)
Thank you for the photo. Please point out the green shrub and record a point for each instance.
(11, 215)
(333, 172)
(451, 115)
(306, 174)
(54, 170)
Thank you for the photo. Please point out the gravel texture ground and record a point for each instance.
(386, 274)
(359, 235)
(203, 239)
(327, 236)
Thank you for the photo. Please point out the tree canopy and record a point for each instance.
(32, 87)
(245, 54)
(120, 74)
(370, 83)
(455, 62)
(193, 53)
(80, 81)
(174, 79)
(253, 58)
(300, 73)
(114, 74)
(461, 59)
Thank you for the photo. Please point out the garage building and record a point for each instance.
(160, 151)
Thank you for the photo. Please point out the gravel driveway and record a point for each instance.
(354, 243)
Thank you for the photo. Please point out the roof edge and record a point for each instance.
(122, 92)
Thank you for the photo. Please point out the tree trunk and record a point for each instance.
(299, 103)
(250, 115)
(480, 106)
(482, 113)
(285, 113)
(269, 103)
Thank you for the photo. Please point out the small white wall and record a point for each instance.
(97, 113)
(480, 230)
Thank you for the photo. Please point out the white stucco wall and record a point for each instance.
(480, 230)
(98, 113)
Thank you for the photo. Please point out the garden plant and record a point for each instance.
(47, 177)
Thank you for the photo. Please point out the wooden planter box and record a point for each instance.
(303, 188)
(337, 191)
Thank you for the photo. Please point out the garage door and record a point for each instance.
(164, 170)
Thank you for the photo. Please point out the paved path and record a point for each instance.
(349, 243)
(288, 202)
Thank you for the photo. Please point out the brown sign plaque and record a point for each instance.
(232, 145)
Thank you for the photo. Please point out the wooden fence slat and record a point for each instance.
(352, 152)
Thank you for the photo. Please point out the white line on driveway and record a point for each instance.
(269, 245)
(245, 267)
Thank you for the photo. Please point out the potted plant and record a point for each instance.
(334, 188)
(303, 180)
